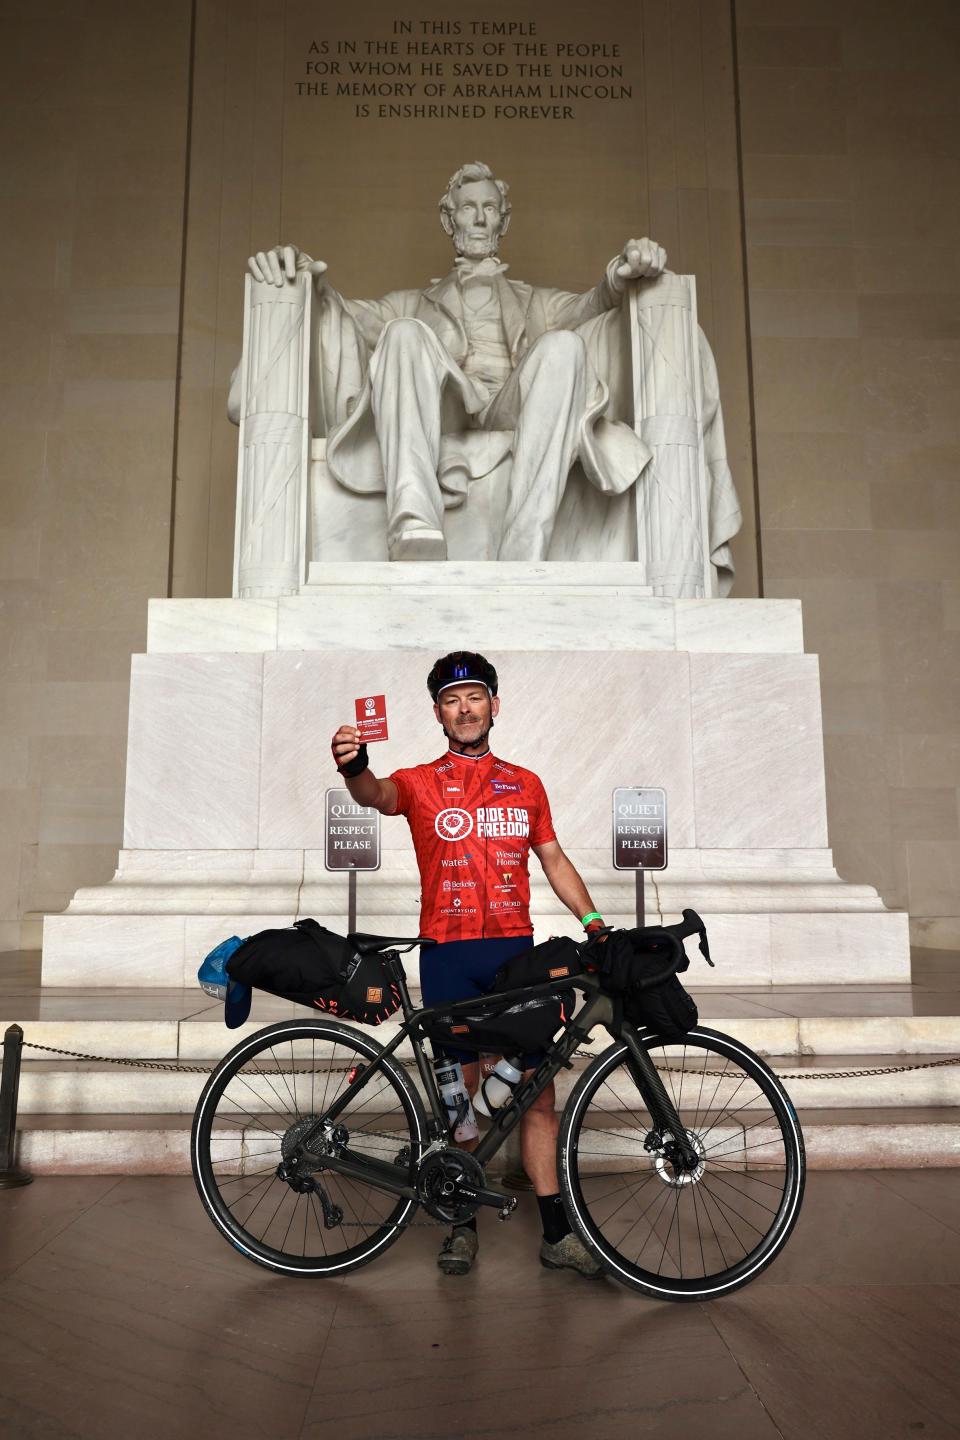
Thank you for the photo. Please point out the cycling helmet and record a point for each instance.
(459, 668)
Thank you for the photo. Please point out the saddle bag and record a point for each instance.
(313, 966)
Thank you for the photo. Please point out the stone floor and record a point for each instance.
(122, 1312)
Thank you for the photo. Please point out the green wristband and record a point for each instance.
(592, 916)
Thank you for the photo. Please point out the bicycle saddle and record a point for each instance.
(370, 944)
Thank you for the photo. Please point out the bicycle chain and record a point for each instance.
(580, 1055)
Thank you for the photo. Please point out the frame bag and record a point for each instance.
(516, 1029)
(313, 966)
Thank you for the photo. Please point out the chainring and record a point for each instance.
(439, 1179)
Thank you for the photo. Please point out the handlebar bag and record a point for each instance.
(628, 957)
(667, 1009)
(517, 1029)
(313, 966)
(554, 959)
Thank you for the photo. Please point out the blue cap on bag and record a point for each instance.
(215, 981)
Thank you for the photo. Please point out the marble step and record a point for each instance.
(158, 1144)
(118, 1028)
(81, 1087)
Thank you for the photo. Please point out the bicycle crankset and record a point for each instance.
(450, 1187)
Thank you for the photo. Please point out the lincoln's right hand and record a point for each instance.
(345, 745)
(279, 266)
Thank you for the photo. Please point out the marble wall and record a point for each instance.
(120, 319)
(93, 131)
(850, 126)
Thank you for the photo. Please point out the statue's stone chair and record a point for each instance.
(293, 514)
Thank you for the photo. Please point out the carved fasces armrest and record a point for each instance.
(270, 394)
(672, 523)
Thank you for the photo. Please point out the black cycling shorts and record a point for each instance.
(464, 969)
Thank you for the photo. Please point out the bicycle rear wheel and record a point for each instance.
(257, 1103)
(674, 1234)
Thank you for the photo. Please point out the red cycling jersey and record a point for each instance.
(473, 822)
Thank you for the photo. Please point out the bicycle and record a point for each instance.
(681, 1162)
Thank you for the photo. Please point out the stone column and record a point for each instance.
(274, 450)
(672, 537)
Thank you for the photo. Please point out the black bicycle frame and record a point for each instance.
(600, 1009)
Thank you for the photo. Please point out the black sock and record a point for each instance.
(553, 1217)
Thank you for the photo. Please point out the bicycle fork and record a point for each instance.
(663, 1112)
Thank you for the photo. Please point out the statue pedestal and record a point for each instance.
(233, 706)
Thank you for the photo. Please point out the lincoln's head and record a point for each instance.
(475, 211)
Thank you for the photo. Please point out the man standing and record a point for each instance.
(474, 820)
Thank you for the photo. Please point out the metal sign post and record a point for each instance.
(639, 834)
(353, 842)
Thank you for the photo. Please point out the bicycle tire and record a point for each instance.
(274, 1099)
(595, 1134)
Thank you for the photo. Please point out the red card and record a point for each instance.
(372, 718)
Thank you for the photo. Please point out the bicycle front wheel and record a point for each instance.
(259, 1101)
(683, 1234)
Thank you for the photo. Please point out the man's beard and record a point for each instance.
(480, 741)
(463, 240)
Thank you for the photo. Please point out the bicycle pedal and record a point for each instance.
(507, 1208)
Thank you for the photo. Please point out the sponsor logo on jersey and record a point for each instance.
(455, 860)
(504, 769)
(458, 908)
(439, 769)
(459, 884)
(452, 790)
(453, 824)
(500, 820)
(500, 786)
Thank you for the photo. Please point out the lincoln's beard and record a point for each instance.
(475, 247)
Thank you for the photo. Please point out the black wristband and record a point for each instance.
(357, 765)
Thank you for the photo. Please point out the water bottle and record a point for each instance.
(453, 1092)
(499, 1086)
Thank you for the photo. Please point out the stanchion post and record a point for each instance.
(641, 908)
(10, 1176)
(351, 902)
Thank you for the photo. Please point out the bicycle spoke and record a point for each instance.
(261, 1099)
(664, 1226)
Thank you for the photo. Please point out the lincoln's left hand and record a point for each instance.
(641, 260)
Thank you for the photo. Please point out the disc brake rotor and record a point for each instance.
(669, 1174)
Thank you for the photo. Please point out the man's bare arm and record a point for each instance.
(365, 788)
(564, 878)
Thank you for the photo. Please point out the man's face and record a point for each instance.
(465, 711)
(477, 221)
